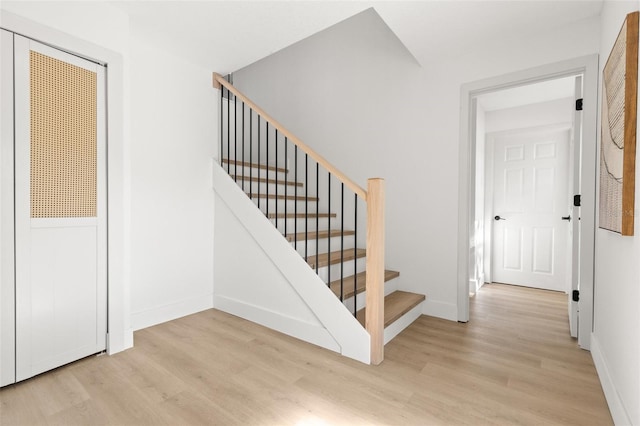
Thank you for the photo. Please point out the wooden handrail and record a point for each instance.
(218, 80)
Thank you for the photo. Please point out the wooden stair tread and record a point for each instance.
(361, 280)
(299, 215)
(284, 197)
(396, 305)
(263, 180)
(255, 165)
(311, 235)
(334, 257)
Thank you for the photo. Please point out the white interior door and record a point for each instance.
(60, 208)
(575, 169)
(529, 238)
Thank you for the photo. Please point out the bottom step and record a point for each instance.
(396, 305)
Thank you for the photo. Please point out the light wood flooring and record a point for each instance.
(513, 364)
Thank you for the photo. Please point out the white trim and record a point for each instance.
(120, 334)
(75, 222)
(403, 322)
(588, 66)
(7, 277)
(22, 208)
(61, 55)
(573, 267)
(545, 128)
(171, 311)
(101, 188)
(276, 321)
(439, 309)
(616, 407)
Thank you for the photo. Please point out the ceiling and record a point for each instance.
(228, 35)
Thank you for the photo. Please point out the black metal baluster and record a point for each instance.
(329, 224)
(243, 145)
(342, 243)
(251, 151)
(295, 206)
(221, 124)
(317, 211)
(235, 139)
(259, 173)
(228, 132)
(286, 186)
(266, 199)
(285, 201)
(306, 209)
(355, 261)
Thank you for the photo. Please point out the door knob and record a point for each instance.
(566, 218)
(499, 218)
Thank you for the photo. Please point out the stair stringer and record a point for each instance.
(350, 338)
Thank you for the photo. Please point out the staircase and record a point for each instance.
(309, 209)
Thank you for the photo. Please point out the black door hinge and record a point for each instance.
(579, 104)
(575, 295)
(576, 200)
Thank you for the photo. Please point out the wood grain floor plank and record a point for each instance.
(512, 364)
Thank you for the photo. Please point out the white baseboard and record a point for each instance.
(160, 314)
(401, 323)
(434, 308)
(128, 339)
(616, 407)
(294, 327)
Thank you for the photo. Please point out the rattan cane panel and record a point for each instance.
(63, 138)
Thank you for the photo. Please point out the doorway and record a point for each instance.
(524, 162)
(470, 218)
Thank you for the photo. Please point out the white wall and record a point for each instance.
(170, 136)
(616, 329)
(260, 291)
(559, 111)
(357, 97)
(96, 22)
(173, 140)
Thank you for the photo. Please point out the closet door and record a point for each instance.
(60, 208)
(7, 279)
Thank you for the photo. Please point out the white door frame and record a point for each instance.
(120, 334)
(588, 67)
(7, 240)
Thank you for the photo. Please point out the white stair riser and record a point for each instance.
(361, 299)
(290, 206)
(333, 271)
(393, 329)
(269, 188)
(323, 244)
(238, 170)
(311, 225)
